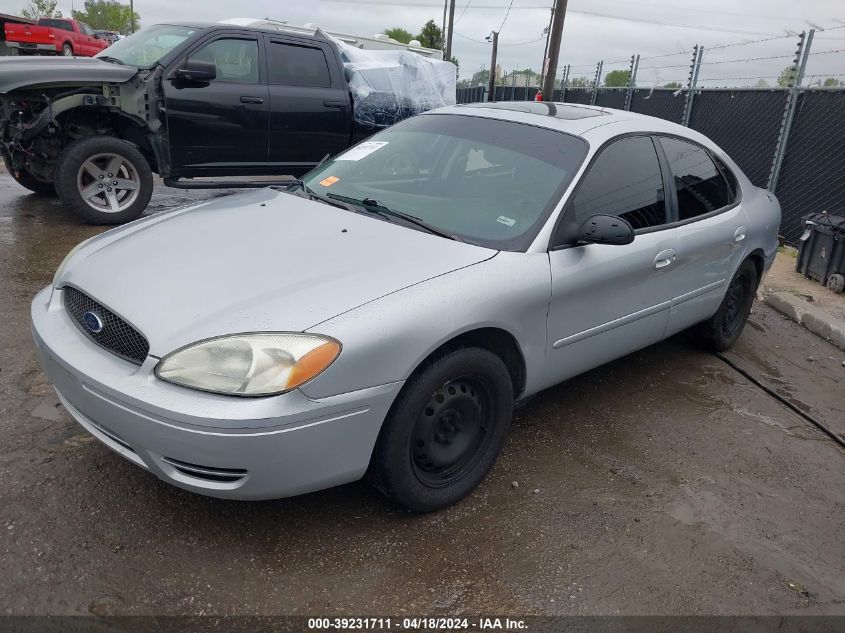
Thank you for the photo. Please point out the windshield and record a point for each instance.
(489, 182)
(145, 47)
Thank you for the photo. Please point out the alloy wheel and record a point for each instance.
(108, 183)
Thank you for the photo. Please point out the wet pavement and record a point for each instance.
(663, 483)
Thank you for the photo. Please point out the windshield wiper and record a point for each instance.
(313, 195)
(113, 60)
(374, 206)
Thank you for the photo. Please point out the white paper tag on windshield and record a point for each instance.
(503, 219)
(361, 151)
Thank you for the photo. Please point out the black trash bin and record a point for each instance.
(821, 250)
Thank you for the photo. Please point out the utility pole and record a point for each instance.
(555, 35)
(132, 14)
(492, 85)
(449, 31)
(548, 34)
(443, 29)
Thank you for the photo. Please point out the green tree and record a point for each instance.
(761, 83)
(787, 77)
(831, 82)
(481, 77)
(579, 82)
(455, 61)
(673, 85)
(41, 9)
(107, 15)
(431, 36)
(617, 78)
(399, 34)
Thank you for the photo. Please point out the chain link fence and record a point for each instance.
(812, 178)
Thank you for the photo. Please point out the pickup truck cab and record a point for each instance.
(53, 36)
(184, 101)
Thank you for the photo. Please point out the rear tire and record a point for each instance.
(67, 50)
(721, 331)
(28, 180)
(104, 180)
(445, 430)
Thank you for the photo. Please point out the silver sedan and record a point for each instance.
(381, 316)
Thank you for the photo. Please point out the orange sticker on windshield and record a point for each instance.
(328, 182)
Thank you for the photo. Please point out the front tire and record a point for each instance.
(721, 331)
(445, 430)
(25, 179)
(104, 180)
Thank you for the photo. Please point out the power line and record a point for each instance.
(464, 10)
(510, 6)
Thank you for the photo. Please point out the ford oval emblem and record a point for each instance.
(92, 321)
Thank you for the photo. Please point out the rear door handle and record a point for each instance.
(739, 234)
(664, 258)
(252, 100)
(334, 103)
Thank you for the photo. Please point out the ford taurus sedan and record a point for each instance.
(383, 315)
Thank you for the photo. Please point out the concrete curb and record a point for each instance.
(811, 317)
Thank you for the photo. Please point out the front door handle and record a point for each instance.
(739, 234)
(334, 103)
(664, 258)
(248, 99)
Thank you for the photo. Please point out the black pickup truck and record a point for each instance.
(189, 101)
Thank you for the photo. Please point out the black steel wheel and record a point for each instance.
(444, 431)
(450, 430)
(722, 330)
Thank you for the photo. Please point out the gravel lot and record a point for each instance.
(663, 483)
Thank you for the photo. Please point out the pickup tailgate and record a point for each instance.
(28, 35)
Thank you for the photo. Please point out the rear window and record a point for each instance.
(293, 65)
(56, 24)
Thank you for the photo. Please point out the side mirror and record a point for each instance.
(194, 70)
(606, 229)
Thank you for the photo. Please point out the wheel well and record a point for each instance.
(496, 340)
(759, 260)
(67, 43)
(101, 121)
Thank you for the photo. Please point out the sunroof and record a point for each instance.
(543, 108)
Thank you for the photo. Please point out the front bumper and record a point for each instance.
(237, 448)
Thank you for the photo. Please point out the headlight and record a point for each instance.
(61, 269)
(249, 364)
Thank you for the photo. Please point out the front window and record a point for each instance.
(145, 47)
(487, 181)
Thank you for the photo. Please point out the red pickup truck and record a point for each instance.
(53, 36)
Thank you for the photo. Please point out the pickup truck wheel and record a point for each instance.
(444, 431)
(28, 180)
(721, 331)
(104, 180)
(67, 50)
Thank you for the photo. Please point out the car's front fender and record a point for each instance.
(387, 339)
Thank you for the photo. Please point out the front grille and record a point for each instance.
(116, 335)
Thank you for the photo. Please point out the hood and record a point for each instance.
(259, 261)
(40, 72)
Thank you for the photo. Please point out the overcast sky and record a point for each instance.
(594, 29)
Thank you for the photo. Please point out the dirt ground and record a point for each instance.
(782, 276)
(663, 483)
